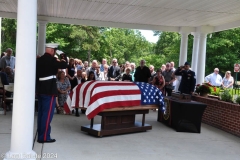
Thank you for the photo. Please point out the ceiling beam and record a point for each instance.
(227, 26)
(8, 15)
(109, 24)
(98, 23)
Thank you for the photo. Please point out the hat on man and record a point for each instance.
(186, 63)
(52, 45)
(59, 52)
(79, 67)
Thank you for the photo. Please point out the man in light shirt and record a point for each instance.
(133, 67)
(104, 61)
(214, 79)
(76, 81)
(174, 69)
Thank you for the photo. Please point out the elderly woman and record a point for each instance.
(84, 75)
(127, 76)
(228, 80)
(78, 65)
(63, 87)
(105, 72)
(159, 81)
(99, 75)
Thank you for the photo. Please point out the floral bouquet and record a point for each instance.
(205, 88)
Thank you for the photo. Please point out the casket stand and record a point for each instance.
(119, 121)
(117, 103)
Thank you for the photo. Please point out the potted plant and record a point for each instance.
(203, 89)
(226, 96)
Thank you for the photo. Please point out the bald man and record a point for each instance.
(142, 73)
(8, 60)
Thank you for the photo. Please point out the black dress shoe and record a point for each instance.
(47, 141)
(77, 114)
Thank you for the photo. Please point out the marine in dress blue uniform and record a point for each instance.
(188, 81)
(46, 89)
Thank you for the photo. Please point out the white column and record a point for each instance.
(194, 63)
(41, 37)
(24, 86)
(201, 58)
(183, 48)
(0, 35)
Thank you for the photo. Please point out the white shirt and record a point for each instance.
(175, 81)
(214, 79)
(102, 77)
(79, 80)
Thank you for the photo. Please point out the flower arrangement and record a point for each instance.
(205, 88)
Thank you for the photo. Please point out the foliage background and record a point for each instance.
(88, 43)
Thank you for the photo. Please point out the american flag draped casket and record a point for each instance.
(96, 96)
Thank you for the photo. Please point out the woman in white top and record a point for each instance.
(228, 80)
(102, 76)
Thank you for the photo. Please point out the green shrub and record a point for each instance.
(238, 100)
(226, 96)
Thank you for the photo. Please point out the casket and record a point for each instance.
(117, 103)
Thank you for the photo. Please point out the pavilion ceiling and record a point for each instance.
(165, 13)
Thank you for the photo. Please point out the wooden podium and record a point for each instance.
(119, 121)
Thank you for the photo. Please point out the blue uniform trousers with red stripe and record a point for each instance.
(46, 106)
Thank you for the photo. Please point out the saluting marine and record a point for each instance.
(188, 81)
(46, 89)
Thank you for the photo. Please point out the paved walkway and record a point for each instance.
(160, 143)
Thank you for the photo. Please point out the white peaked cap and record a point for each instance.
(51, 45)
(59, 52)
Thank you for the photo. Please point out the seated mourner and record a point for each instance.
(10, 74)
(4, 81)
(63, 87)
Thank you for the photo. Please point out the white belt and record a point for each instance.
(47, 78)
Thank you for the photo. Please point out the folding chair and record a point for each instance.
(7, 88)
(1, 94)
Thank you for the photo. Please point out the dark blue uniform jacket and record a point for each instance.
(188, 81)
(48, 65)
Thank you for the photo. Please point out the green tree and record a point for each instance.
(9, 27)
(88, 38)
(223, 50)
(123, 44)
(168, 46)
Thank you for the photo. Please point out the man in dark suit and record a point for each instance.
(46, 89)
(78, 79)
(114, 71)
(142, 73)
(188, 81)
